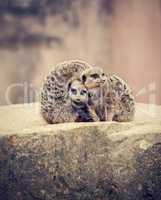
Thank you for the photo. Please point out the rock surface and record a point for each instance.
(79, 161)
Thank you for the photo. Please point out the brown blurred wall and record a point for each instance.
(122, 36)
(136, 46)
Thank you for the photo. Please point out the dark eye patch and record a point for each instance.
(73, 90)
(83, 92)
(94, 76)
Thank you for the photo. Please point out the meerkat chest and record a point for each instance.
(97, 96)
(83, 114)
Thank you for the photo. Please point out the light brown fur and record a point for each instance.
(56, 106)
(110, 95)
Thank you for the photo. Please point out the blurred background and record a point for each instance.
(122, 36)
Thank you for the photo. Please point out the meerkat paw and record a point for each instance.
(109, 117)
(110, 113)
(94, 116)
(122, 118)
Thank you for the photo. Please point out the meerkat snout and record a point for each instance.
(93, 78)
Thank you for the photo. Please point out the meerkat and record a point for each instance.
(55, 102)
(122, 98)
(94, 79)
(111, 96)
(79, 101)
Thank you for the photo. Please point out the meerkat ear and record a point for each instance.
(69, 85)
(83, 78)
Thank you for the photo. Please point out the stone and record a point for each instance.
(79, 161)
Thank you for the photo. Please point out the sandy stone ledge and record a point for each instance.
(79, 161)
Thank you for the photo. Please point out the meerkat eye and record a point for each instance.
(94, 76)
(74, 91)
(83, 92)
(103, 74)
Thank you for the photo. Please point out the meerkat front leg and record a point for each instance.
(93, 115)
(105, 114)
(110, 113)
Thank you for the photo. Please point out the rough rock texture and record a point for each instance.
(80, 161)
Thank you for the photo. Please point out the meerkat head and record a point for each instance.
(77, 92)
(93, 78)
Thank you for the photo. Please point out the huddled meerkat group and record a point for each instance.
(74, 91)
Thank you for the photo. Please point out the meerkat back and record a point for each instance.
(121, 98)
(54, 92)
